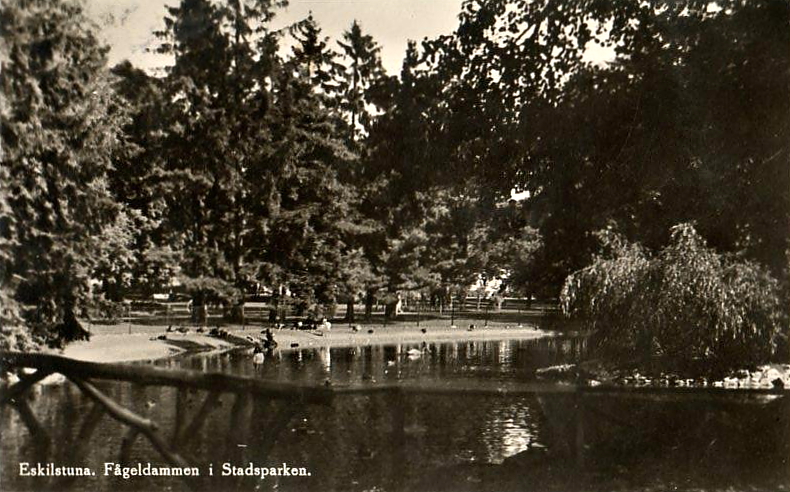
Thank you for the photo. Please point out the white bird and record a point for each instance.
(415, 352)
(258, 358)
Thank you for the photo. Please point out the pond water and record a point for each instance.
(448, 442)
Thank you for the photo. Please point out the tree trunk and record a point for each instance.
(331, 310)
(203, 313)
(369, 298)
(274, 309)
(199, 310)
(350, 311)
(70, 328)
(112, 290)
(236, 313)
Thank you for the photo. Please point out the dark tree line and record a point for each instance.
(313, 170)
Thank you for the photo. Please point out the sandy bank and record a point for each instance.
(139, 347)
(136, 346)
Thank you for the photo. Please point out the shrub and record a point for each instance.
(687, 306)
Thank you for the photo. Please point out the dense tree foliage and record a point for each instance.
(136, 182)
(314, 172)
(689, 121)
(61, 123)
(212, 101)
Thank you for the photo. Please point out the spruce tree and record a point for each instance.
(361, 72)
(217, 100)
(61, 127)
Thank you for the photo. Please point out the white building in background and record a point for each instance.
(485, 287)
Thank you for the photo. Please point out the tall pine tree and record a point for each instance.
(362, 71)
(61, 126)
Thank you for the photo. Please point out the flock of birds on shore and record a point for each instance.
(214, 332)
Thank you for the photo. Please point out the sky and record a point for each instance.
(127, 25)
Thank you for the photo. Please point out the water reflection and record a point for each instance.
(509, 431)
(325, 355)
(495, 360)
(354, 443)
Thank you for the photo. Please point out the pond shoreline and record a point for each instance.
(137, 347)
(152, 345)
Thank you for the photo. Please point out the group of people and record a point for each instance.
(267, 342)
(308, 324)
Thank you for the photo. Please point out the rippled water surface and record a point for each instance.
(423, 441)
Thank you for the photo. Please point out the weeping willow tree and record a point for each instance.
(686, 306)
